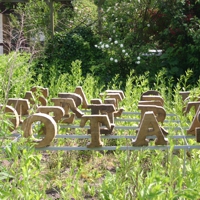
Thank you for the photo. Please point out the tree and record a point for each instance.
(131, 28)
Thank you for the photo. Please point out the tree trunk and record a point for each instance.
(100, 3)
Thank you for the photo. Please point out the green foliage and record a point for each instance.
(124, 38)
(22, 178)
(84, 13)
(34, 17)
(124, 41)
(180, 38)
(66, 81)
(15, 75)
(172, 26)
(66, 47)
(92, 86)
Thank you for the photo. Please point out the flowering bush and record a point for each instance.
(123, 36)
(133, 28)
(144, 36)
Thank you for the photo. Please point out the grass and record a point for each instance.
(27, 174)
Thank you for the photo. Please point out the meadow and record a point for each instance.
(27, 173)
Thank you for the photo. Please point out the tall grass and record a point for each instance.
(15, 75)
(104, 175)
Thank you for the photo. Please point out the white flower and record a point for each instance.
(113, 31)
(137, 62)
(111, 59)
(148, 25)
(95, 45)
(121, 45)
(110, 39)
(123, 50)
(116, 42)
(138, 58)
(116, 60)
(102, 46)
(106, 45)
(126, 54)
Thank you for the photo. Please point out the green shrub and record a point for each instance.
(180, 39)
(15, 75)
(172, 26)
(66, 47)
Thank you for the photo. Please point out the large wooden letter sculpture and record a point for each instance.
(67, 104)
(108, 109)
(151, 92)
(95, 121)
(50, 130)
(118, 95)
(158, 111)
(197, 129)
(184, 94)
(155, 103)
(40, 91)
(22, 106)
(56, 110)
(189, 105)
(151, 97)
(13, 117)
(35, 101)
(77, 99)
(96, 101)
(80, 92)
(195, 123)
(149, 127)
(37, 96)
(112, 101)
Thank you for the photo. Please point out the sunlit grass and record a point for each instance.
(158, 174)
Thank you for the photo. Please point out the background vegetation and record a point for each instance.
(113, 37)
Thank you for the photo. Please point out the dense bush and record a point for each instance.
(172, 26)
(181, 39)
(66, 47)
(127, 34)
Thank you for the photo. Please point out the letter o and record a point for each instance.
(50, 128)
